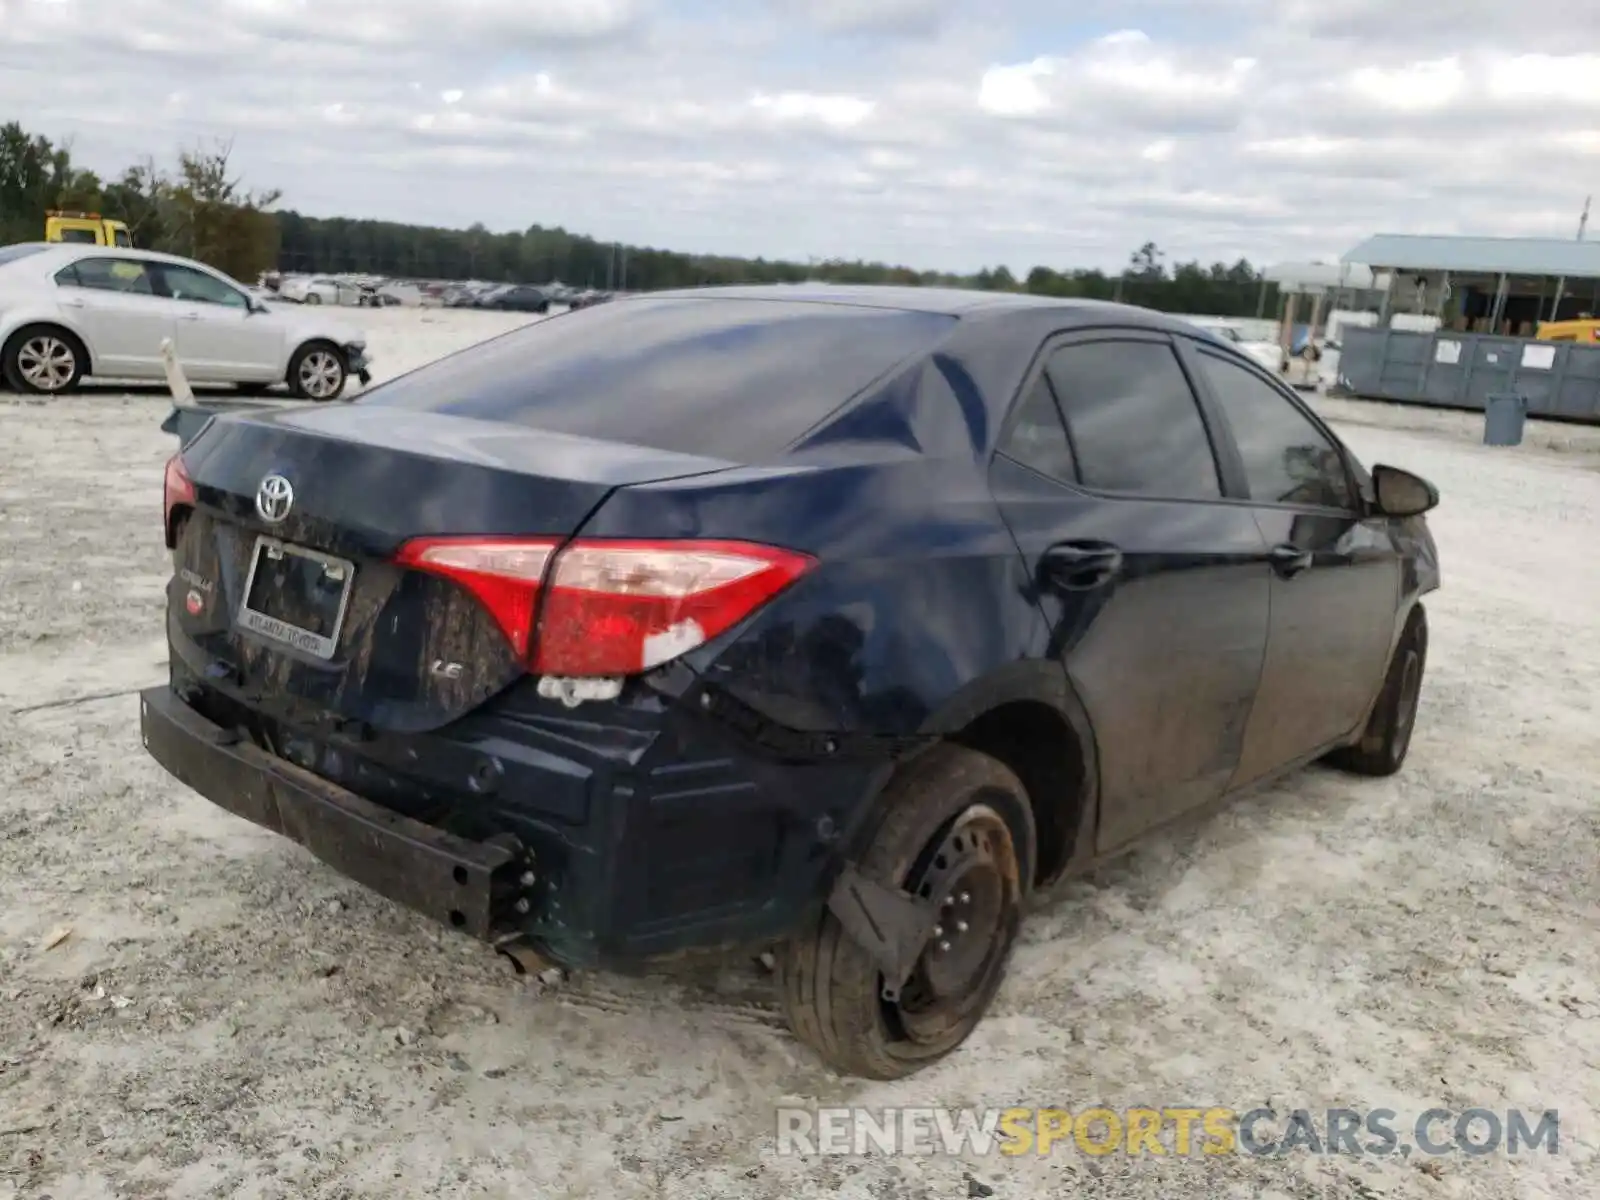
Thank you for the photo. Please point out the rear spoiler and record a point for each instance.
(189, 416)
(187, 420)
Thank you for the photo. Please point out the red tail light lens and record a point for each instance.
(178, 492)
(503, 573)
(619, 608)
(612, 607)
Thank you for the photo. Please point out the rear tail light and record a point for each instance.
(503, 573)
(611, 607)
(178, 493)
(618, 608)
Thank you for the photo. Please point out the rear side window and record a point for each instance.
(108, 275)
(1038, 439)
(727, 378)
(1134, 421)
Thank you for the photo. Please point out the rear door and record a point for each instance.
(1154, 585)
(118, 305)
(218, 337)
(1335, 576)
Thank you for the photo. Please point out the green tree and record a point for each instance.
(206, 213)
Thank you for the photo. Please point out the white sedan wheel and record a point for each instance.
(320, 375)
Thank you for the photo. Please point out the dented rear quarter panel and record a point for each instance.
(920, 588)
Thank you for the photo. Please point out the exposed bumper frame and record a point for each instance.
(433, 872)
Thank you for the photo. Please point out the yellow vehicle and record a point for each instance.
(89, 228)
(1585, 330)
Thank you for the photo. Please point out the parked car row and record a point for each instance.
(355, 291)
(519, 297)
(72, 310)
(376, 291)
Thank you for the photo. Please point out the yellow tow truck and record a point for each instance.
(89, 228)
(1585, 329)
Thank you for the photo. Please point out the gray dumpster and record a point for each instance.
(1504, 416)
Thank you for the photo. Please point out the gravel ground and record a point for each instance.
(224, 1017)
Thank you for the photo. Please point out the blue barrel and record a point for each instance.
(1503, 418)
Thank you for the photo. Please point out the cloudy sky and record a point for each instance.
(939, 133)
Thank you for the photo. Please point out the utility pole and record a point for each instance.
(1583, 221)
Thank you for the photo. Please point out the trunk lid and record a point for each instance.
(341, 636)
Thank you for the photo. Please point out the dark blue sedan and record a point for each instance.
(830, 621)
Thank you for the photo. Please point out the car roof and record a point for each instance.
(56, 250)
(944, 300)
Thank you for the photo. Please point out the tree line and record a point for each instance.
(201, 209)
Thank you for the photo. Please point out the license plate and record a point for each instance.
(296, 596)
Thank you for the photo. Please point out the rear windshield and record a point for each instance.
(733, 379)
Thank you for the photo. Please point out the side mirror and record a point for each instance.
(1400, 493)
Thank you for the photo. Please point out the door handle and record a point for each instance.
(1288, 561)
(1080, 566)
(189, 316)
(73, 303)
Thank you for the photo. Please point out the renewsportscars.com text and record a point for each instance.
(1178, 1131)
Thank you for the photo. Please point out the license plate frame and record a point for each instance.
(286, 633)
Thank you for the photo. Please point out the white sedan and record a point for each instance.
(319, 289)
(1267, 354)
(68, 311)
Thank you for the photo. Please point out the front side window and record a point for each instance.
(108, 275)
(1287, 459)
(1134, 421)
(185, 283)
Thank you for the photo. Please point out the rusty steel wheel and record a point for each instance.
(955, 828)
(972, 872)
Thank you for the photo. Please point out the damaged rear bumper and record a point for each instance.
(659, 835)
(466, 885)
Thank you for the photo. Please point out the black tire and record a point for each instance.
(313, 298)
(1387, 737)
(311, 363)
(21, 354)
(831, 991)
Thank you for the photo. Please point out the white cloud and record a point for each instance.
(839, 112)
(1548, 79)
(869, 16)
(1017, 91)
(1415, 87)
(936, 132)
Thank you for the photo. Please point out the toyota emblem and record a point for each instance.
(274, 498)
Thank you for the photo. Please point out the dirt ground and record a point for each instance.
(224, 1017)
